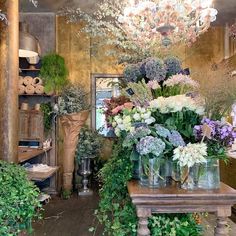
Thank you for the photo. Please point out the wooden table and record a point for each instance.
(176, 200)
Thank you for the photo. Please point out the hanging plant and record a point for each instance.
(54, 73)
(47, 110)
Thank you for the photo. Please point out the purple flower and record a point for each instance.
(176, 139)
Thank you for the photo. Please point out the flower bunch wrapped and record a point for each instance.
(114, 106)
(176, 103)
(127, 120)
(191, 154)
(221, 136)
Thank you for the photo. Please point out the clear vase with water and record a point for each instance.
(152, 172)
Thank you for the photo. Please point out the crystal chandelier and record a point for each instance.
(166, 22)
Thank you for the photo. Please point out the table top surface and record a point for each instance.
(137, 191)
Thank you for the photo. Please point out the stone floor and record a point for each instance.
(73, 217)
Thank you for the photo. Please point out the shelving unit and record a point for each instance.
(45, 180)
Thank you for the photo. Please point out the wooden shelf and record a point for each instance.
(37, 95)
(41, 176)
(25, 154)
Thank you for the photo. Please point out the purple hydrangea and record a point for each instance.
(150, 145)
(176, 139)
(133, 137)
(155, 69)
(173, 65)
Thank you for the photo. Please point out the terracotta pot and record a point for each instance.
(71, 125)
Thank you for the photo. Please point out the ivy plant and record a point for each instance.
(47, 110)
(19, 203)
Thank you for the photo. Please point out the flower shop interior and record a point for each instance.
(118, 118)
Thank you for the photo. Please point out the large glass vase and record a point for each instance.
(209, 175)
(152, 172)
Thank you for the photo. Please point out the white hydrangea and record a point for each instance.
(191, 154)
(175, 104)
(180, 79)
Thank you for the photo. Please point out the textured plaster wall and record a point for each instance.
(208, 49)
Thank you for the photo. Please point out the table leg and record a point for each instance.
(222, 228)
(143, 215)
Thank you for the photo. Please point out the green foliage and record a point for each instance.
(18, 200)
(72, 100)
(182, 121)
(89, 144)
(54, 73)
(116, 212)
(174, 225)
(47, 110)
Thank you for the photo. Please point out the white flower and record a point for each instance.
(114, 124)
(146, 115)
(191, 154)
(126, 119)
(118, 119)
(150, 120)
(137, 117)
(117, 132)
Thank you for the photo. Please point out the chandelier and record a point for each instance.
(166, 22)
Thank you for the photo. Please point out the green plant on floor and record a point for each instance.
(174, 225)
(47, 110)
(54, 73)
(66, 194)
(116, 212)
(19, 203)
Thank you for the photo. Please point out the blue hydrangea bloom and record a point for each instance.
(132, 73)
(162, 131)
(176, 139)
(173, 65)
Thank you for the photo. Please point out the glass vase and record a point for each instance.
(209, 175)
(189, 177)
(152, 172)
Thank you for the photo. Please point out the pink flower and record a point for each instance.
(128, 105)
(117, 110)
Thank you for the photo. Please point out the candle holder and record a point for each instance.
(85, 171)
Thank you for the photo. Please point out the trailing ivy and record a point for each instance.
(116, 212)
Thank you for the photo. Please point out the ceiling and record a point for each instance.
(226, 8)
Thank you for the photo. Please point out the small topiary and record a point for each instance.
(19, 203)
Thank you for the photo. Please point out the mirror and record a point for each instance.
(104, 86)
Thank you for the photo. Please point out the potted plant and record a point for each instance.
(88, 149)
(72, 108)
(54, 73)
(19, 202)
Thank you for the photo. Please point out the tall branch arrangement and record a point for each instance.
(104, 27)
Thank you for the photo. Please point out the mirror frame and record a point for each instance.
(94, 78)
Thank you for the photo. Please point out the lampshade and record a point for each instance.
(28, 44)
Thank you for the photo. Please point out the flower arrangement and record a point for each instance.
(220, 137)
(191, 154)
(72, 100)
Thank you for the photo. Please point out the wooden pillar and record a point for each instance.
(9, 72)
